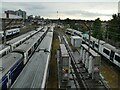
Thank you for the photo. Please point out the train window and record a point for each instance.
(14, 47)
(4, 53)
(96, 45)
(93, 44)
(39, 40)
(117, 58)
(35, 45)
(17, 45)
(87, 40)
(106, 51)
(29, 52)
(9, 50)
(90, 42)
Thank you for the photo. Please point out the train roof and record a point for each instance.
(8, 61)
(75, 37)
(64, 51)
(17, 39)
(29, 43)
(12, 29)
(34, 73)
(91, 51)
(69, 29)
(79, 32)
(2, 46)
(102, 42)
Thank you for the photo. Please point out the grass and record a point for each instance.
(111, 75)
(53, 79)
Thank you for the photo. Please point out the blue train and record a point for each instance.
(13, 63)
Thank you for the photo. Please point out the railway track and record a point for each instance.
(83, 83)
(78, 76)
(110, 73)
(77, 71)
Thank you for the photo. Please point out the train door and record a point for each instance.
(93, 44)
(112, 55)
(9, 79)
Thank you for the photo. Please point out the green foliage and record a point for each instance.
(114, 28)
(97, 31)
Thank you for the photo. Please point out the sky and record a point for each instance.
(74, 9)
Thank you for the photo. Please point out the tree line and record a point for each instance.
(111, 31)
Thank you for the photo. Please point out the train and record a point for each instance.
(110, 52)
(63, 63)
(10, 32)
(13, 43)
(13, 63)
(36, 71)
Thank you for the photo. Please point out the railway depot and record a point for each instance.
(38, 53)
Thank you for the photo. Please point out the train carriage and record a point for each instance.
(4, 50)
(12, 44)
(35, 73)
(28, 47)
(111, 53)
(19, 40)
(105, 49)
(12, 65)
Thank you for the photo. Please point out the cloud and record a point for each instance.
(60, 0)
(86, 13)
(71, 10)
(30, 8)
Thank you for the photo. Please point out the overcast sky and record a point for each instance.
(73, 10)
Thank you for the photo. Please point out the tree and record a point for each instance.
(114, 28)
(97, 32)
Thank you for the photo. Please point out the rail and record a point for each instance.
(82, 84)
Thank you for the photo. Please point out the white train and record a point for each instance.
(10, 32)
(37, 67)
(107, 50)
(13, 63)
(12, 44)
(73, 32)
